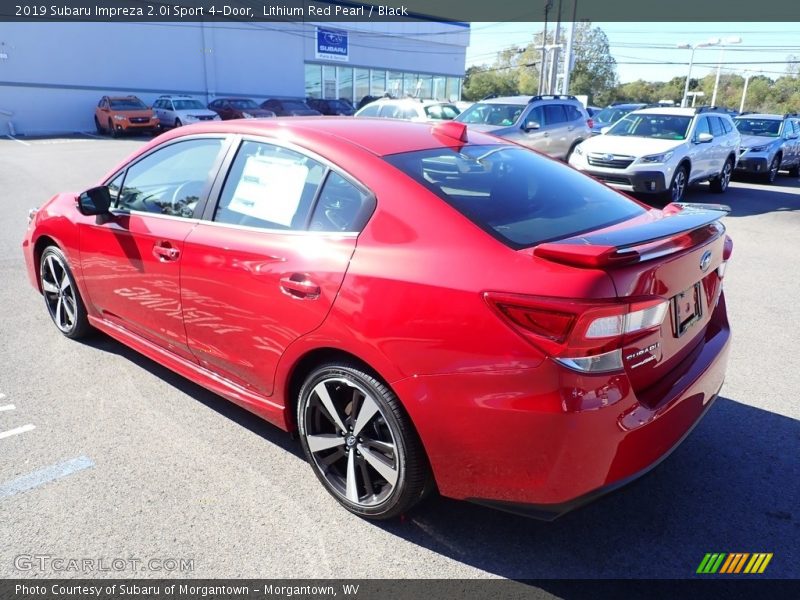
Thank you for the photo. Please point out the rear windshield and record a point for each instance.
(514, 194)
(651, 125)
(128, 104)
(763, 127)
(492, 114)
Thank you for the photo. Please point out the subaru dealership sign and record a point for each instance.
(332, 44)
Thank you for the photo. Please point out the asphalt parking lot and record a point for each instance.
(155, 467)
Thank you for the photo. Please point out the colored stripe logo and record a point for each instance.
(734, 563)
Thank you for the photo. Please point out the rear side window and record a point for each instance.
(269, 187)
(573, 113)
(554, 114)
(514, 194)
(341, 206)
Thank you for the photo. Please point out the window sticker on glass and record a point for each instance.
(270, 189)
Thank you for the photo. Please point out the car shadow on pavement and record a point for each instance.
(227, 409)
(777, 198)
(732, 486)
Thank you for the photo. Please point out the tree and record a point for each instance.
(480, 82)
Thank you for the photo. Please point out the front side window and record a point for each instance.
(269, 187)
(514, 194)
(171, 180)
(716, 126)
(702, 127)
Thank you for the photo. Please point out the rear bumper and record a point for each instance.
(544, 441)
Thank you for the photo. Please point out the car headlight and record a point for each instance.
(247, 116)
(757, 148)
(657, 158)
(190, 118)
(119, 118)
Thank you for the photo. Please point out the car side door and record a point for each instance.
(536, 138)
(102, 113)
(700, 152)
(720, 146)
(131, 259)
(265, 265)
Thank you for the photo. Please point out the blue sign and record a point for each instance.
(332, 44)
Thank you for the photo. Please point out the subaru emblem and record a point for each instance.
(705, 261)
(608, 157)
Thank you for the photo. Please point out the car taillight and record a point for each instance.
(590, 123)
(583, 336)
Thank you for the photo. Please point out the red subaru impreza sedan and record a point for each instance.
(429, 308)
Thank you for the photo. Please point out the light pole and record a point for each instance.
(747, 76)
(551, 50)
(726, 42)
(711, 42)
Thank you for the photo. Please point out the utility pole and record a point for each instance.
(547, 6)
(568, 57)
(744, 91)
(551, 89)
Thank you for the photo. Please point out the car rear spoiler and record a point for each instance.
(682, 225)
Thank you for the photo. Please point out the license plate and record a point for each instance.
(687, 308)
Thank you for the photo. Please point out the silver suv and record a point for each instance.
(553, 125)
(174, 111)
(770, 143)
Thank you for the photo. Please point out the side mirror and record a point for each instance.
(703, 138)
(95, 201)
(605, 129)
(791, 136)
(531, 126)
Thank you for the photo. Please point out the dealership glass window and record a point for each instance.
(453, 89)
(425, 86)
(328, 81)
(378, 82)
(362, 83)
(345, 82)
(439, 91)
(409, 84)
(314, 81)
(395, 84)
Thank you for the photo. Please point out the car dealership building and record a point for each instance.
(53, 74)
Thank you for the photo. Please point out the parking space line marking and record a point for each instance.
(7, 407)
(11, 137)
(27, 482)
(17, 431)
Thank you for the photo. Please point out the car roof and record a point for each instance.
(669, 110)
(763, 116)
(334, 134)
(628, 105)
(506, 100)
(122, 97)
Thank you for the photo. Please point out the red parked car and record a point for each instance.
(428, 308)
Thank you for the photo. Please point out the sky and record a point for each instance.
(638, 47)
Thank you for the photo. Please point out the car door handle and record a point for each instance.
(299, 286)
(164, 253)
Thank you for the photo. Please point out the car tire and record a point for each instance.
(795, 171)
(98, 127)
(571, 150)
(61, 294)
(719, 185)
(112, 130)
(677, 187)
(178, 123)
(360, 443)
(772, 173)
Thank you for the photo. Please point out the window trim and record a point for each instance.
(237, 141)
(208, 186)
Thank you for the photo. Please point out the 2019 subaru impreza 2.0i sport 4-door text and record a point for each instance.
(429, 308)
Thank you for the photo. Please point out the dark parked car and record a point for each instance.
(239, 108)
(330, 106)
(366, 100)
(289, 107)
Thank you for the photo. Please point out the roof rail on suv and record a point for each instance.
(791, 114)
(551, 97)
(719, 109)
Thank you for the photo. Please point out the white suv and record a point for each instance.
(174, 111)
(662, 151)
(409, 109)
